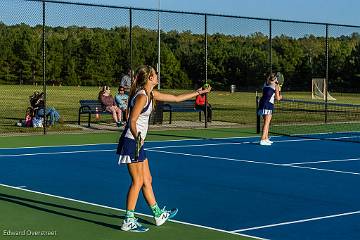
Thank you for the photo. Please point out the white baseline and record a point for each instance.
(297, 221)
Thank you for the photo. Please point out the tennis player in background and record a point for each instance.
(141, 102)
(271, 91)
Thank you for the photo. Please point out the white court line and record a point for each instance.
(297, 221)
(323, 169)
(182, 140)
(59, 146)
(122, 210)
(324, 161)
(109, 150)
(55, 153)
(225, 143)
(187, 154)
(197, 145)
(297, 140)
(221, 158)
(162, 141)
(255, 162)
(95, 144)
(343, 137)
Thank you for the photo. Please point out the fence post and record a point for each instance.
(206, 63)
(131, 45)
(270, 46)
(326, 72)
(159, 47)
(257, 115)
(44, 63)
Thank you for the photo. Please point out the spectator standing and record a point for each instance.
(126, 81)
(201, 103)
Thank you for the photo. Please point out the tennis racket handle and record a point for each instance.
(138, 141)
(138, 138)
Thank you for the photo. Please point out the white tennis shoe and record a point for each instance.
(132, 225)
(268, 140)
(265, 143)
(165, 215)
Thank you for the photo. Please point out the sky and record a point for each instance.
(325, 11)
(320, 11)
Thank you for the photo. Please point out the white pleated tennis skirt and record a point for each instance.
(262, 112)
(126, 151)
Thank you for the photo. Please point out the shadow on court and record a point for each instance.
(34, 204)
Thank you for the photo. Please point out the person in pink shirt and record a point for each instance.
(109, 105)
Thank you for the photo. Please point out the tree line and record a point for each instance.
(96, 56)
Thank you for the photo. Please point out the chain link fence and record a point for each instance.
(88, 46)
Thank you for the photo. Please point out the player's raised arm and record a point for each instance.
(181, 97)
(278, 95)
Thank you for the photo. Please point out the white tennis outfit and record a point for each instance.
(127, 144)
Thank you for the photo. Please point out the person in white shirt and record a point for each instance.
(126, 81)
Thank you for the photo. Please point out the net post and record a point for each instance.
(257, 115)
(312, 89)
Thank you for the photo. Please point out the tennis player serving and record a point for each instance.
(141, 101)
(271, 91)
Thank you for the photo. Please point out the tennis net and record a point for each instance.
(320, 120)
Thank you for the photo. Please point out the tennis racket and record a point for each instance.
(138, 141)
(280, 79)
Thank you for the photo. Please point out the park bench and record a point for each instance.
(89, 107)
(185, 106)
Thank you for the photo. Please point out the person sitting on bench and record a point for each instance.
(37, 102)
(121, 99)
(109, 105)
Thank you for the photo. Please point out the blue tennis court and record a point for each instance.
(295, 189)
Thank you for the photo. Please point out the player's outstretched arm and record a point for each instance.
(179, 98)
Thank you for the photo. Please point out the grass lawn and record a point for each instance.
(238, 107)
